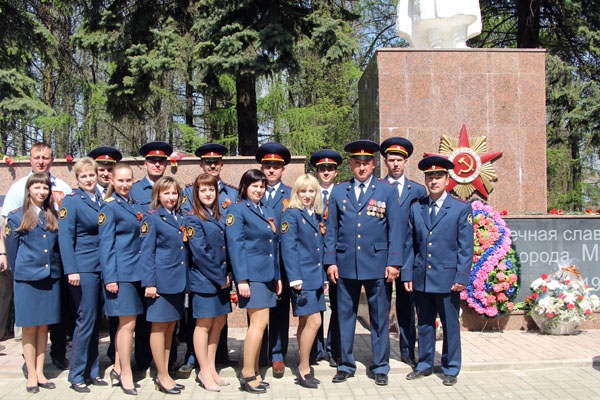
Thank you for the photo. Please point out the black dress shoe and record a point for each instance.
(417, 374)
(381, 379)
(248, 388)
(32, 389)
(409, 361)
(449, 380)
(160, 388)
(179, 386)
(186, 368)
(306, 380)
(97, 381)
(341, 376)
(80, 388)
(61, 363)
(47, 385)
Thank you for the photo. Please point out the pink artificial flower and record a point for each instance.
(550, 314)
(502, 267)
(491, 300)
(498, 288)
(510, 305)
(588, 311)
(500, 276)
(570, 306)
(512, 278)
(501, 297)
(562, 296)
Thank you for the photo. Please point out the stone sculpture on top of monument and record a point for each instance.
(438, 24)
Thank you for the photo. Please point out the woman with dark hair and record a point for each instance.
(302, 240)
(209, 277)
(31, 240)
(79, 240)
(119, 229)
(253, 243)
(164, 274)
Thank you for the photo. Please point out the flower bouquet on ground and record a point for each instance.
(561, 301)
(494, 281)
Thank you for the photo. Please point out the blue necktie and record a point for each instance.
(361, 196)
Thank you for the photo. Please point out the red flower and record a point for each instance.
(8, 160)
(504, 212)
(589, 211)
(588, 311)
(544, 276)
(550, 314)
(535, 296)
(69, 158)
(544, 289)
(553, 211)
(233, 297)
(570, 306)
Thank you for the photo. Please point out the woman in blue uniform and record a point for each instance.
(164, 274)
(119, 229)
(78, 239)
(209, 278)
(253, 243)
(302, 237)
(31, 240)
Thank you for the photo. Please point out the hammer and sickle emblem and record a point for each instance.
(467, 162)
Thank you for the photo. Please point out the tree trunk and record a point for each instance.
(246, 114)
(528, 34)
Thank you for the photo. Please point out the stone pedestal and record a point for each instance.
(497, 93)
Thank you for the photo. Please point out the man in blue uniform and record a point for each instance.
(362, 249)
(211, 162)
(396, 151)
(273, 157)
(105, 158)
(155, 162)
(438, 258)
(326, 163)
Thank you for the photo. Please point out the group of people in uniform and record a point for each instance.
(147, 253)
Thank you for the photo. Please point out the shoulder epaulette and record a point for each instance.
(74, 192)
(152, 211)
(342, 182)
(229, 185)
(109, 199)
(461, 200)
(187, 185)
(384, 181)
(16, 210)
(283, 184)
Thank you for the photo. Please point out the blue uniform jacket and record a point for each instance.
(302, 240)
(78, 233)
(119, 229)
(283, 193)
(141, 192)
(34, 255)
(253, 242)
(164, 253)
(227, 196)
(439, 254)
(363, 240)
(206, 241)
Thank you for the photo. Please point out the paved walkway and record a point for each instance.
(498, 365)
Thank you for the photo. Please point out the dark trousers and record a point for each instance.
(405, 313)
(332, 345)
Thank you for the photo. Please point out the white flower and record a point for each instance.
(535, 285)
(553, 284)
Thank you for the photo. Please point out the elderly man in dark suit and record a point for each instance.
(363, 247)
(439, 254)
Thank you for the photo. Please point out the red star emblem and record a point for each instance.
(473, 170)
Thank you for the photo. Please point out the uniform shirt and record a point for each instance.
(15, 195)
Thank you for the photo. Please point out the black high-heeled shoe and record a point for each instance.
(250, 389)
(132, 392)
(179, 386)
(306, 380)
(261, 382)
(159, 387)
(114, 376)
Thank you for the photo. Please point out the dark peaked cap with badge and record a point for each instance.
(105, 155)
(435, 164)
(362, 149)
(397, 145)
(156, 150)
(211, 152)
(325, 157)
(273, 152)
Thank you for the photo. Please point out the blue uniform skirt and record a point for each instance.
(127, 301)
(37, 302)
(307, 302)
(166, 308)
(210, 305)
(262, 295)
